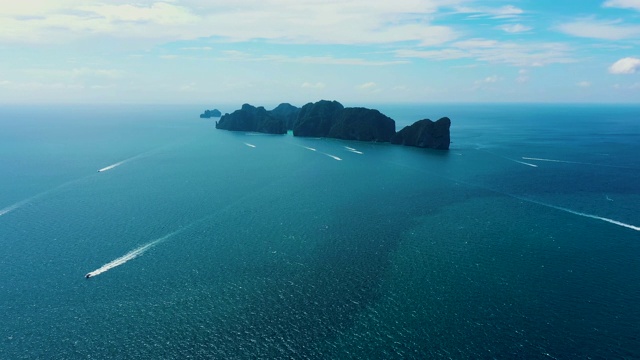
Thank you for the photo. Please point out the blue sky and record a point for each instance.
(355, 51)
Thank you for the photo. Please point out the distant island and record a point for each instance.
(332, 120)
(210, 113)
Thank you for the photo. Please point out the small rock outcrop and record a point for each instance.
(210, 113)
(425, 134)
(251, 118)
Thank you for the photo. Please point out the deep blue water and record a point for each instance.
(522, 241)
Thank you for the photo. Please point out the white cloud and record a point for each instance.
(514, 28)
(597, 29)
(511, 53)
(523, 76)
(486, 83)
(159, 13)
(634, 86)
(308, 85)
(367, 86)
(507, 11)
(584, 84)
(628, 65)
(625, 4)
(370, 87)
(285, 21)
(197, 48)
(233, 55)
(76, 73)
(190, 87)
(400, 88)
(490, 79)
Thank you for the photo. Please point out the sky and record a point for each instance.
(354, 51)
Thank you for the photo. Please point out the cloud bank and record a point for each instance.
(628, 65)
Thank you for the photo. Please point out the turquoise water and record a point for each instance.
(522, 241)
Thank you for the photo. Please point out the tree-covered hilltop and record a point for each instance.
(210, 113)
(251, 118)
(331, 119)
(425, 134)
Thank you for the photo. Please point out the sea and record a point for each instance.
(142, 232)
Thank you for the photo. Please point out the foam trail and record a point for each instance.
(577, 162)
(10, 208)
(510, 159)
(146, 153)
(19, 204)
(525, 163)
(111, 166)
(130, 255)
(250, 145)
(353, 150)
(333, 156)
(549, 160)
(306, 147)
(612, 221)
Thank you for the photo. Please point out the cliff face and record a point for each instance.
(331, 119)
(287, 113)
(425, 134)
(362, 124)
(251, 118)
(316, 119)
(210, 113)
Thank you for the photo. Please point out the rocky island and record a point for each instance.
(331, 119)
(425, 133)
(207, 114)
(251, 118)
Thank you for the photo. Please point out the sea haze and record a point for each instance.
(521, 241)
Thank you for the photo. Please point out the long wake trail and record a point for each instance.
(577, 162)
(142, 249)
(131, 255)
(21, 203)
(591, 216)
(112, 166)
(510, 159)
(146, 153)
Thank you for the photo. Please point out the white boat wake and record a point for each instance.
(353, 150)
(146, 153)
(524, 163)
(111, 166)
(10, 208)
(129, 256)
(611, 221)
(250, 145)
(21, 203)
(333, 157)
(309, 148)
(577, 163)
(510, 159)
